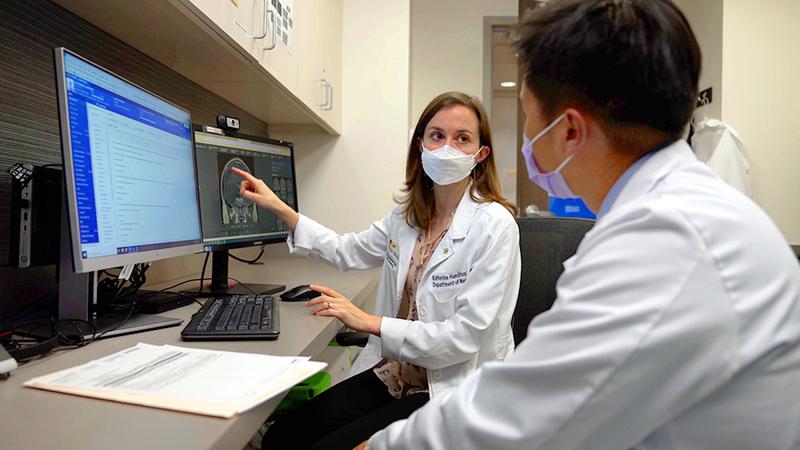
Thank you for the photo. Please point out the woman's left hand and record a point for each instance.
(332, 303)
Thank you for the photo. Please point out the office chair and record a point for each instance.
(544, 244)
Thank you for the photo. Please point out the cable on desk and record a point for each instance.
(203, 279)
(253, 261)
(25, 342)
(113, 291)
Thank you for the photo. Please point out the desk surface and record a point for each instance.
(35, 419)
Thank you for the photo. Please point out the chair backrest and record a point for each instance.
(544, 244)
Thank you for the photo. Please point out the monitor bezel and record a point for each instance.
(81, 265)
(256, 240)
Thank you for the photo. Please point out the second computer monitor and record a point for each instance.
(229, 220)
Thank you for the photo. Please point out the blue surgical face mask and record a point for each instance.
(552, 182)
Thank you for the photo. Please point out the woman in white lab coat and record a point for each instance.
(448, 288)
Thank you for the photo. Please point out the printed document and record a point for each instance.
(207, 382)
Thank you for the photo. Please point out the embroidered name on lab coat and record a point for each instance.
(392, 257)
(448, 279)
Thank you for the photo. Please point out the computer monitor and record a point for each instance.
(228, 220)
(130, 176)
(129, 168)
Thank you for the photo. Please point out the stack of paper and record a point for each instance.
(208, 382)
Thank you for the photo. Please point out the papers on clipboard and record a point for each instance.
(208, 382)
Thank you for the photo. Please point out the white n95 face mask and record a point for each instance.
(446, 165)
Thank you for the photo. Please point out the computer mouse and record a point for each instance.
(299, 294)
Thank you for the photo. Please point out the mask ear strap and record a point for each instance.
(549, 127)
(421, 146)
(478, 153)
(472, 172)
(564, 163)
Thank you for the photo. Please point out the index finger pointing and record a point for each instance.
(243, 174)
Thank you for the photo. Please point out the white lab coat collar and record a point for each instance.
(465, 213)
(459, 227)
(407, 235)
(662, 163)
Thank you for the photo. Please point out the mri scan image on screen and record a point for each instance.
(228, 218)
(235, 208)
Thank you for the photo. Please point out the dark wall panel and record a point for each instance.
(29, 30)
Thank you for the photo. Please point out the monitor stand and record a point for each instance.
(77, 296)
(107, 326)
(219, 285)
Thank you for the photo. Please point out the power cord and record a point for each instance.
(203, 275)
(117, 294)
(207, 279)
(19, 337)
(138, 280)
(253, 261)
(24, 343)
(109, 302)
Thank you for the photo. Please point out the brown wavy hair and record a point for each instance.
(417, 197)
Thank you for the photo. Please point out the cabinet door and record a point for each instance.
(277, 50)
(247, 24)
(260, 29)
(319, 27)
(224, 15)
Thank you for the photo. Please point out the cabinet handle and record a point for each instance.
(265, 27)
(247, 33)
(326, 86)
(329, 103)
(274, 32)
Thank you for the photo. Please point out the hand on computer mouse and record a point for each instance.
(332, 303)
(301, 293)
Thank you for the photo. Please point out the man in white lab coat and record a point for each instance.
(678, 320)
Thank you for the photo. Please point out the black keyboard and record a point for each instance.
(236, 317)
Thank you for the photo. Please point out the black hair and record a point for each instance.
(632, 64)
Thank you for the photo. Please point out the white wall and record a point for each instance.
(761, 69)
(447, 47)
(751, 55)
(347, 182)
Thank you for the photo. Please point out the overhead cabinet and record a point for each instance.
(279, 60)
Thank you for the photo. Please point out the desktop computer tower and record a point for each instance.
(36, 208)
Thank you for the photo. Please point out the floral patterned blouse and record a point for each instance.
(400, 377)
